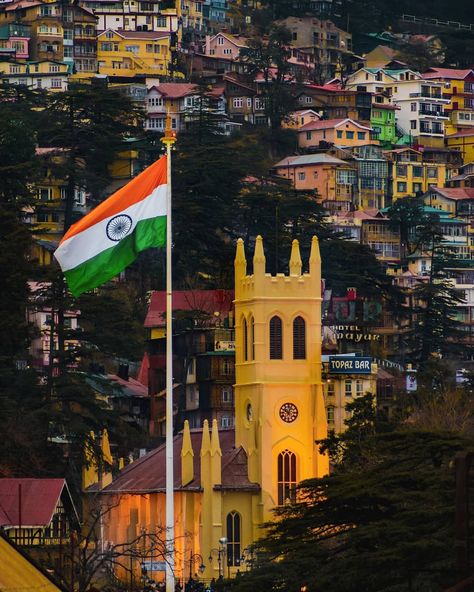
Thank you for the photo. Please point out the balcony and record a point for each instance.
(427, 95)
(433, 113)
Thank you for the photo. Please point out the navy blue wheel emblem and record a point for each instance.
(118, 227)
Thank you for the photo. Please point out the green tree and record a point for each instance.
(270, 58)
(387, 526)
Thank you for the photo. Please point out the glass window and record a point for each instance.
(359, 387)
(286, 477)
(276, 338)
(234, 526)
(401, 187)
(227, 394)
(348, 388)
(299, 339)
(330, 414)
(309, 135)
(330, 388)
(417, 171)
(361, 135)
(301, 176)
(339, 133)
(350, 135)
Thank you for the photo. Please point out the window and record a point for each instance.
(226, 421)
(238, 102)
(330, 388)
(14, 69)
(252, 338)
(109, 34)
(161, 21)
(417, 171)
(233, 538)
(361, 135)
(227, 367)
(401, 170)
(348, 388)
(301, 176)
(299, 339)
(68, 51)
(309, 135)
(413, 124)
(259, 104)
(44, 193)
(401, 187)
(227, 51)
(309, 99)
(227, 394)
(417, 188)
(413, 106)
(432, 173)
(249, 102)
(132, 49)
(56, 83)
(220, 40)
(245, 339)
(276, 339)
(286, 477)
(53, 67)
(330, 414)
(350, 135)
(359, 387)
(339, 133)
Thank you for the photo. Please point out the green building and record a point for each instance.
(384, 124)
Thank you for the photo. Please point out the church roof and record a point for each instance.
(148, 475)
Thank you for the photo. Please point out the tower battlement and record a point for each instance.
(262, 284)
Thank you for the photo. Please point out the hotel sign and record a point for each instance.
(349, 365)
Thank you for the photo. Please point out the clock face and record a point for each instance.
(288, 412)
(249, 412)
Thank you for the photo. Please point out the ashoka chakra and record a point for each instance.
(118, 227)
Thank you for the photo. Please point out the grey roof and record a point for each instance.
(308, 159)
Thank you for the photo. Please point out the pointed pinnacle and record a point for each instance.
(295, 259)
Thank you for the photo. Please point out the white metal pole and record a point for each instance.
(170, 585)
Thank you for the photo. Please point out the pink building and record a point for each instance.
(224, 45)
(14, 40)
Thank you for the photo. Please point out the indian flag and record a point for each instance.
(103, 243)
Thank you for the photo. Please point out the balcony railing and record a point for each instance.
(426, 95)
(434, 113)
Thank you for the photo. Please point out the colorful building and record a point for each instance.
(342, 132)
(458, 87)
(133, 53)
(383, 123)
(333, 181)
(463, 142)
(44, 74)
(15, 39)
(411, 175)
(225, 45)
(227, 481)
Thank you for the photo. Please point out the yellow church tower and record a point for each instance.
(279, 405)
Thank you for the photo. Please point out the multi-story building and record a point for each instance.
(377, 232)
(332, 179)
(59, 32)
(458, 87)
(334, 102)
(330, 46)
(463, 142)
(45, 74)
(341, 132)
(384, 124)
(181, 101)
(192, 17)
(411, 175)
(15, 39)
(225, 45)
(464, 179)
(133, 53)
(243, 103)
(215, 13)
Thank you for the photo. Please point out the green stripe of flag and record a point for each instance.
(109, 263)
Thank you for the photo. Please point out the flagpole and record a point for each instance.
(168, 140)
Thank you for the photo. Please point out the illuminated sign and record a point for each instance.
(352, 365)
(354, 333)
(224, 345)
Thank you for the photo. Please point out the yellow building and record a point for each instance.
(129, 53)
(411, 175)
(227, 481)
(463, 141)
(45, 74)
(459, 89)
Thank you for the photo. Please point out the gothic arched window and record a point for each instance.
(245, 339)
(299, 339)
(252, 338)
(276, 338)
(233, 538)
(286, 477)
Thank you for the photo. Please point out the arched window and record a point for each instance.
(233, 538)
(286, 477)
(299, 339)
(276, 338)
(252, 338)
(245, 339)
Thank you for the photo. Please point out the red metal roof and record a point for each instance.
(148, 474)
(175, 90)
(39, 498)
(329, 124)
(455, 192)
(209, 301)
(451, 73)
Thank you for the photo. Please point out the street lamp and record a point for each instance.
(221, 552)
(193, 559)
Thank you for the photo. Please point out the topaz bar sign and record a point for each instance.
(349, 365)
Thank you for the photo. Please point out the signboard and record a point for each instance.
(154, 566)
(352, 365)
(412, 383)
(224, 346)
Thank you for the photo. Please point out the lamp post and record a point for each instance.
(221, 553)
(193, 559)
